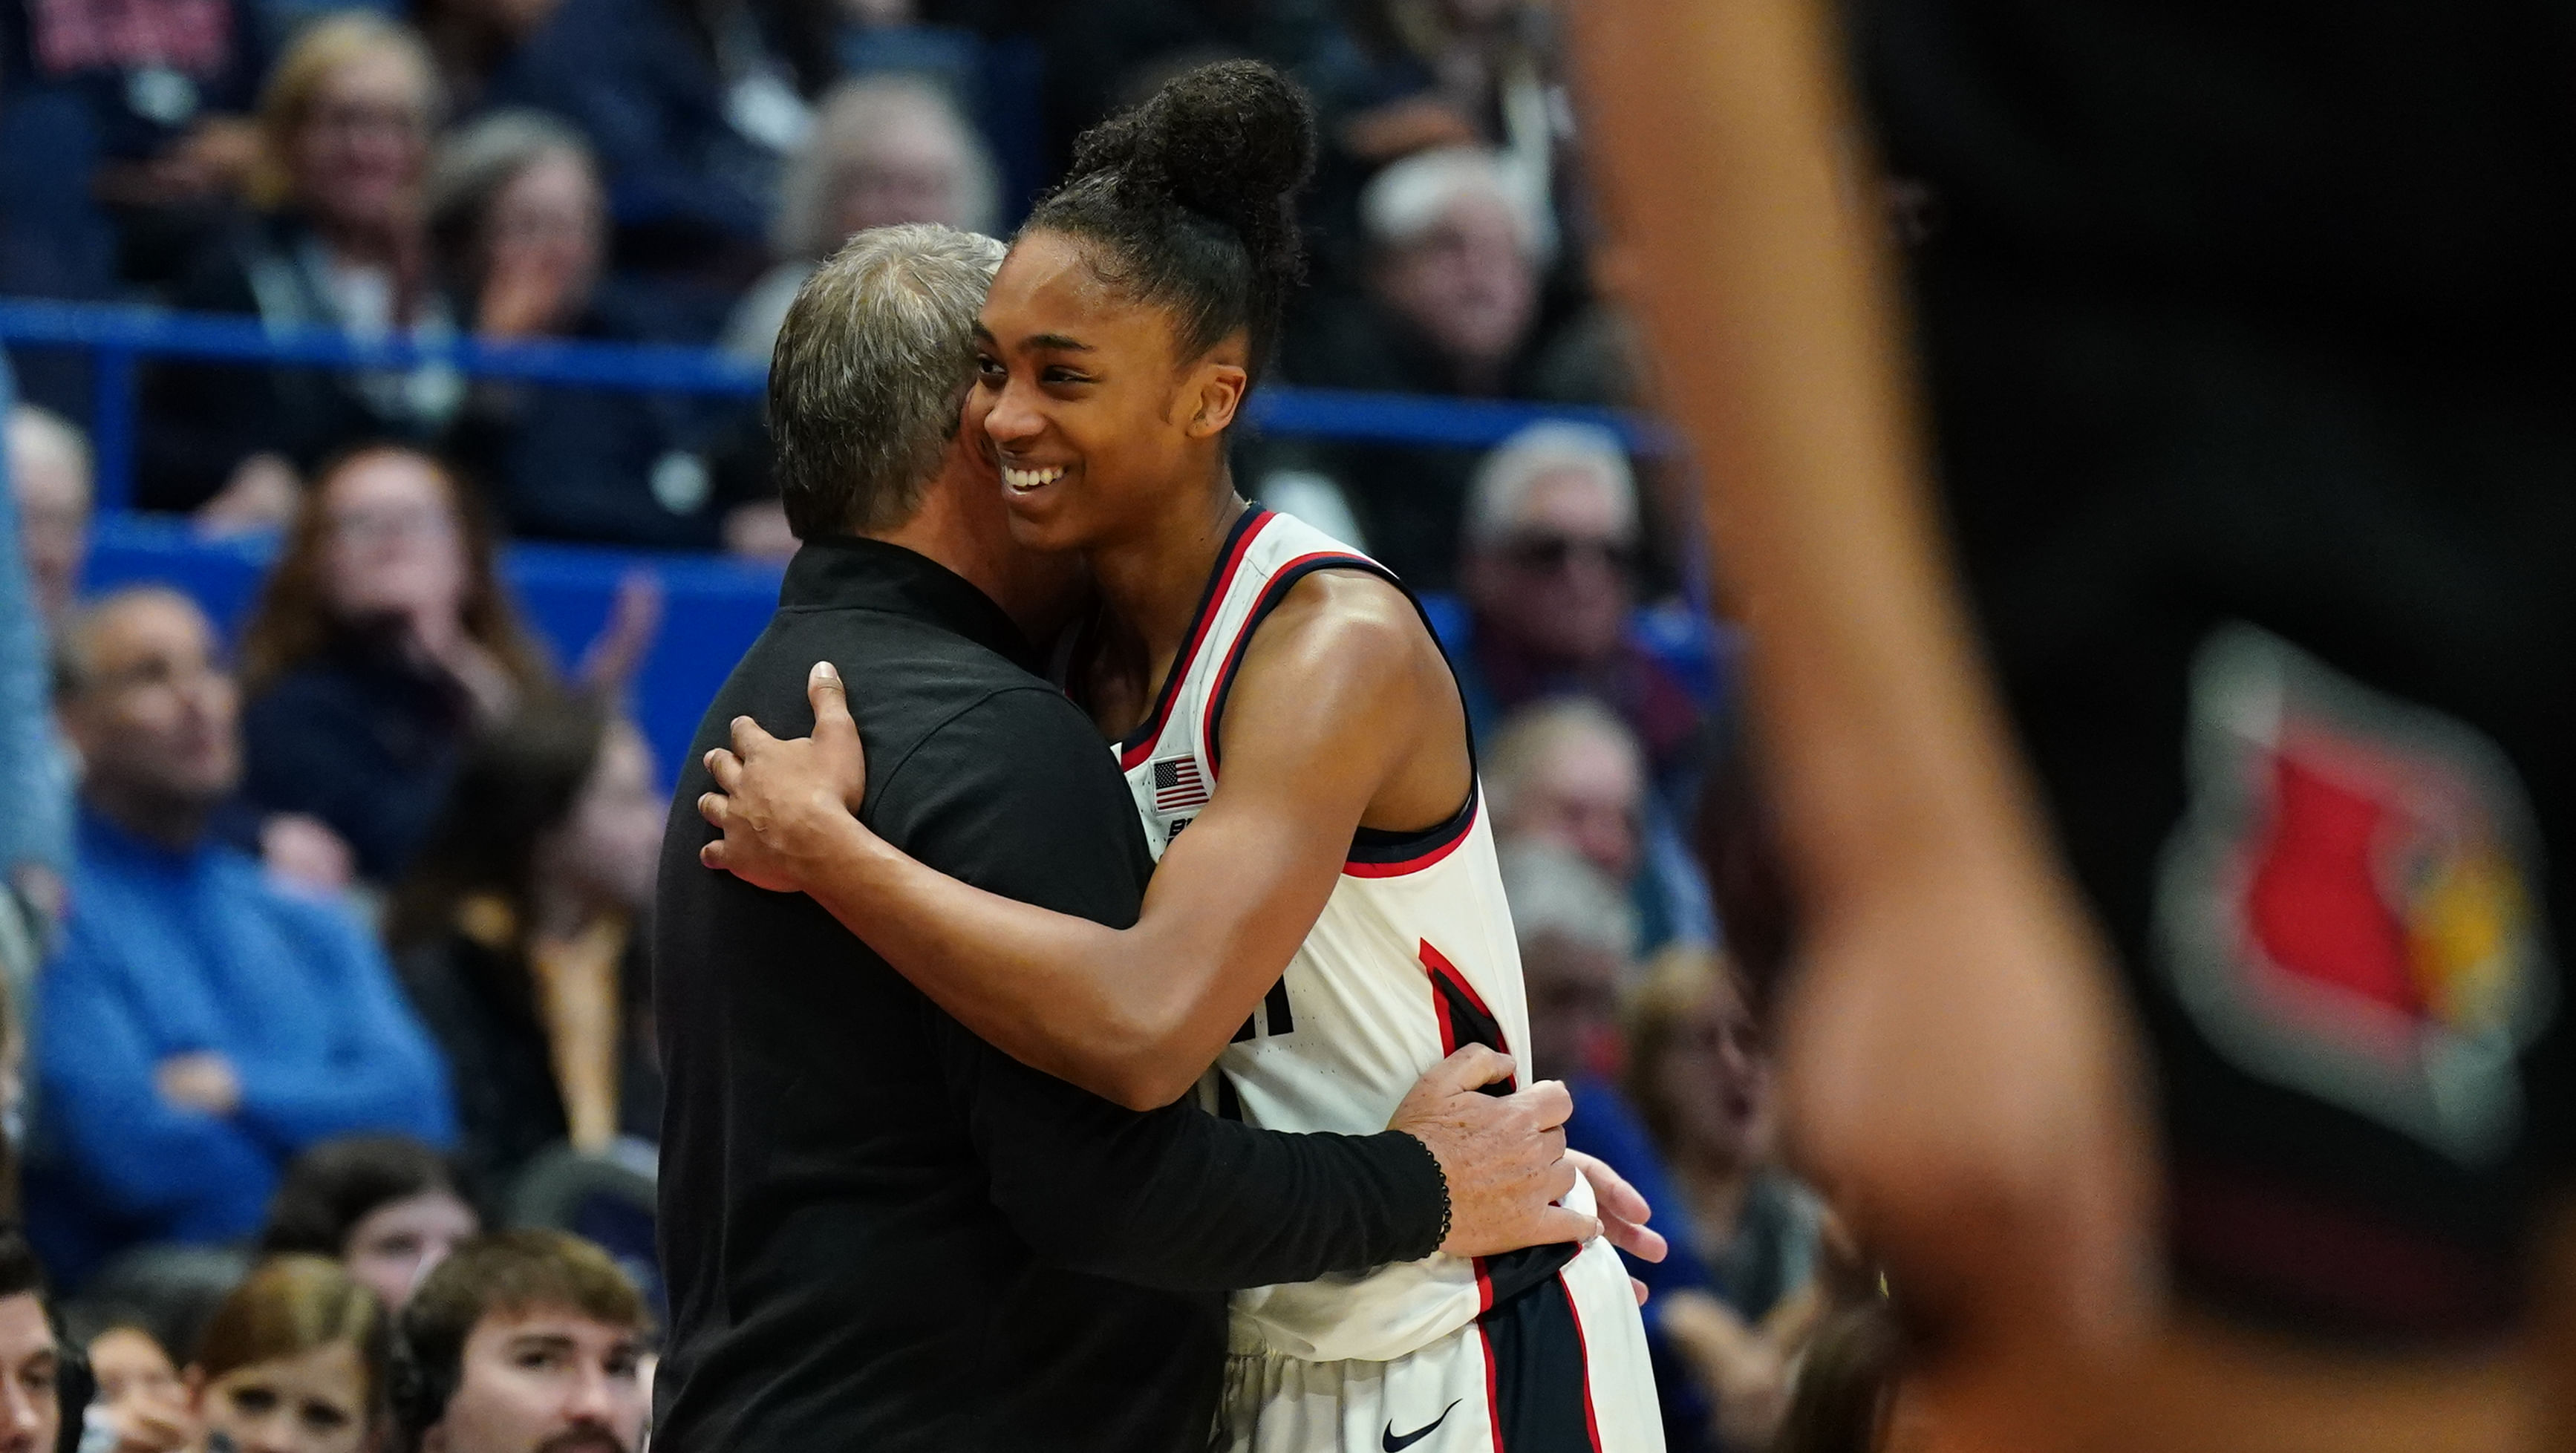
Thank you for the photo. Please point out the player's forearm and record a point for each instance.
(1725, 147)
(1088, 1004)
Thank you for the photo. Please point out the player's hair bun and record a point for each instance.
(1234, 140)
(1189, 200)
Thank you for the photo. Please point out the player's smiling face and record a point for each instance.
(1098, 426)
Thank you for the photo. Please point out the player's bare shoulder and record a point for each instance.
(1357, 625)
(1347, 662)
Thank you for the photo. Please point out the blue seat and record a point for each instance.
(713, 607)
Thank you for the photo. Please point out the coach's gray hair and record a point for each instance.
(869, 373)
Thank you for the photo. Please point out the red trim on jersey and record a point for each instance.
(1583, 1345)
(1493, 1382)
(1438, 963)
(1140, 744)
(1427, 858)
(1448, 1028)
(1272, 592)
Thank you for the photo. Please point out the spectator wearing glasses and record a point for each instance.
(1548, 566)
(337, 242)
(382, 642)
(200, 1024)
(520, 223)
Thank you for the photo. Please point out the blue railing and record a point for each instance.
(119, 338)
(714, 606)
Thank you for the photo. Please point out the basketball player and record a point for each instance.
(1326, 920)
(2244, 330)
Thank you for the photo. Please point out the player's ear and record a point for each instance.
(1215, 392)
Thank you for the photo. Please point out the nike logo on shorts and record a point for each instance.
(1393, 1444)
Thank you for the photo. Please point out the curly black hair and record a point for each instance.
(1191, 200)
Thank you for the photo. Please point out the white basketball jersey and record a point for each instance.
(1413, 957)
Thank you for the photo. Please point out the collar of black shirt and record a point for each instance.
(850, 572)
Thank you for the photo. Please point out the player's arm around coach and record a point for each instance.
(1342, 712)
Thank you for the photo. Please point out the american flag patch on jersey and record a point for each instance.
(1178, 784)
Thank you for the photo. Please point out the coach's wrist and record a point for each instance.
(1436, 1180)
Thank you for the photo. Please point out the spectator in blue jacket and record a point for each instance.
(201, 1025)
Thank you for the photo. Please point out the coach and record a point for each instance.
(880, 1232)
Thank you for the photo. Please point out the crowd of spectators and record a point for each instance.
(328, 950)
(507, 1342)
(649, 171)
(339, 921)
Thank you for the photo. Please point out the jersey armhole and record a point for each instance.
(1378, 853)
(1374, 852)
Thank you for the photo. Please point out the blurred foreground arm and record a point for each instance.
(1959, 1070)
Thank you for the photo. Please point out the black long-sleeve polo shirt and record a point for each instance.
(879, 1232)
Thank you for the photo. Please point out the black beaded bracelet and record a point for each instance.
(1443, 1177)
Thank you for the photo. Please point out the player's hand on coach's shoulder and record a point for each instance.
(1502, 1155)
(785, 805)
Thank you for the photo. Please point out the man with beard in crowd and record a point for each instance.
(522, 1342)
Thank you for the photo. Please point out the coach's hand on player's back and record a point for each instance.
(1503, 1155)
